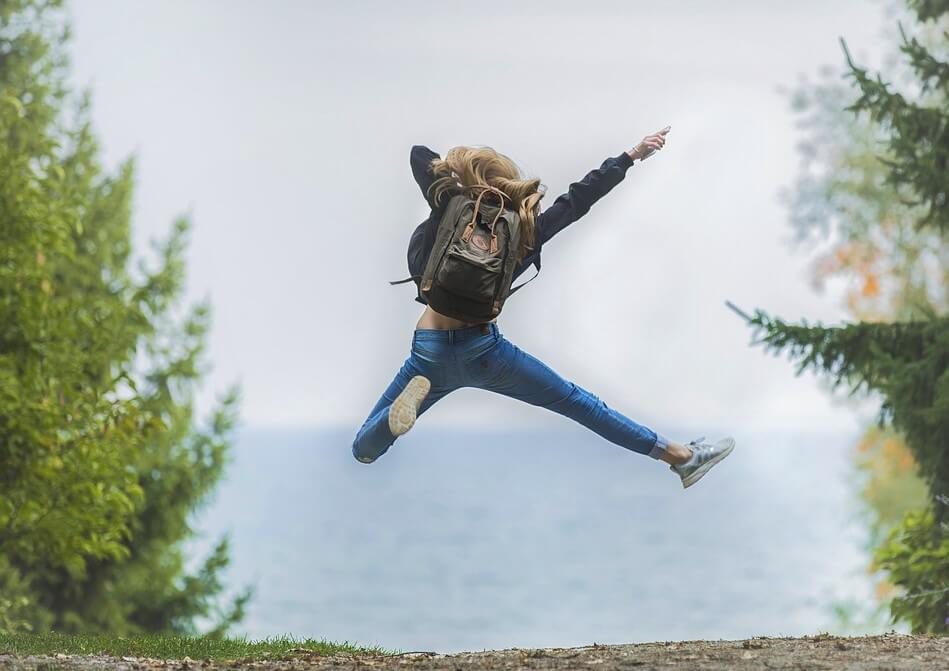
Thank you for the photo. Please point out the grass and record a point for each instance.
(168, 646)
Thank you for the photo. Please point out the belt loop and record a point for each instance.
(451, 336)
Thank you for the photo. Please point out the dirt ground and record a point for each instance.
(888, 651)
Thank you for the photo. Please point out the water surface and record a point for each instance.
(551, 537)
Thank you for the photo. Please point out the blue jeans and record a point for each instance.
(481, 357)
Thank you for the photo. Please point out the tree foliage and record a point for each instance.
(905, 361)
(101, 460)
(895, 269)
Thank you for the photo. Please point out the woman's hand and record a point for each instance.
(649, 145)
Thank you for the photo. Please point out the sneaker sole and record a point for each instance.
(404, 408)
(703, 469)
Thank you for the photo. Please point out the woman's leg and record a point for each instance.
(506, 369)
(374, 437)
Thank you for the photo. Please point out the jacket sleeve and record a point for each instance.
(580, 197)
(419, 159)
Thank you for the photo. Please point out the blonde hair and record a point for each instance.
(465, 167)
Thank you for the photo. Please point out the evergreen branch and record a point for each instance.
(906, 362)
(929, 9)
(737, 310)
(932, 72)
(918, 143)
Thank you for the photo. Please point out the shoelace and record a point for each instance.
(701, 452)
(695, 445)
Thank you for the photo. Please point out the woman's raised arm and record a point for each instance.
(420, 159)
(581, 195)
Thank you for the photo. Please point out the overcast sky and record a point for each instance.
(284, 129)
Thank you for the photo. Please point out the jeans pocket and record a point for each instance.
(478, 347)
(492, 362)
(421, 353)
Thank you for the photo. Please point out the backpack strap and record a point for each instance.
(407, 279)
(536, 264)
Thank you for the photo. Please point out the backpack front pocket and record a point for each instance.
(468, 274)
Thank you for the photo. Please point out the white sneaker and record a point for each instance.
(704, 456)
(405, 407)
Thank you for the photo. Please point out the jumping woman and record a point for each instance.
(448, 353)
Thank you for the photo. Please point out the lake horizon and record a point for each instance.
(534, 537)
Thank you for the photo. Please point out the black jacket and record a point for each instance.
(565, 210)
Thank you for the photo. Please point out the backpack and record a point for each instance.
(470, 268)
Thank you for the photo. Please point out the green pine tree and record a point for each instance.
(101, 460)
(906, 362)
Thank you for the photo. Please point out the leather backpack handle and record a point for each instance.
(474, 217)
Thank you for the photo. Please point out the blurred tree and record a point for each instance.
(893, 217)
(872, 238)
(101, 463)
